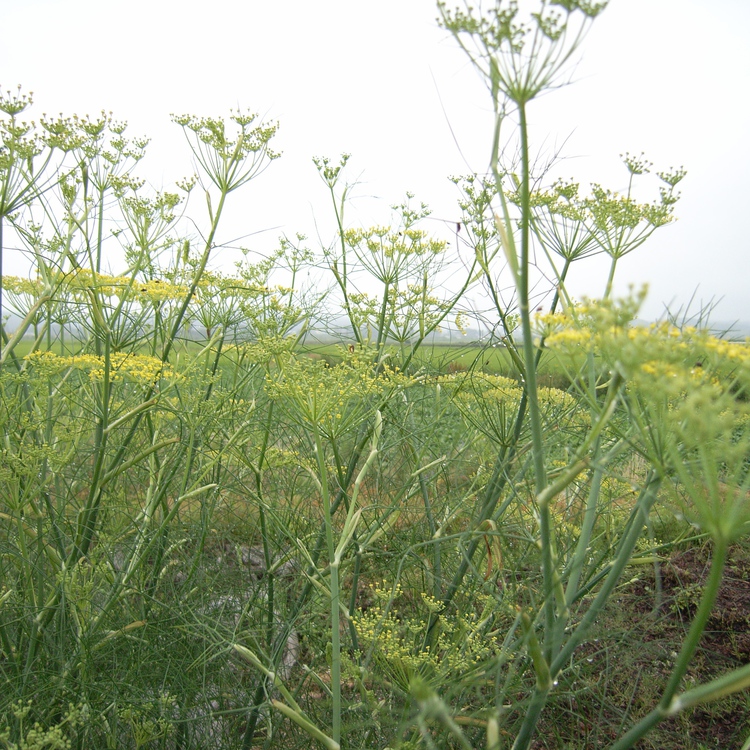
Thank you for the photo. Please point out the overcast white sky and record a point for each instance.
(379, 79)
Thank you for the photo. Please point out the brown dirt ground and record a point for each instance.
(639, 641)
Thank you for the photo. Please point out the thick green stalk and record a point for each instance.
(617, 565)
(100, 230)
(506, 454)
(530, 386)
(611, 277)
(589, 517)
(538, 702)
(382, 327)
(334, 586)
(529, 350)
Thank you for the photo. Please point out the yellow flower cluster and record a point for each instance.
(140, 368)
(686, 389)
(547, 324)
(659, 349)
(390, 243)
(399, 643)
(18, 285)
(562, 409)
(728, 350)
(153, 290)
(494, 399)
(156, 290)
(333, 397)
(570, 339)
(82, 279)
(261, 351)
(460, 381)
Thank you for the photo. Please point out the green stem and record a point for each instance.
(197, 275)
(334, 586)
(617, 565)
(87, 524)
(529, 350)
(100, 229)
(530, 385)
(342, 277)
(611, 277)
(708, 599)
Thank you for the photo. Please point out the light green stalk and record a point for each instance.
(333, 585)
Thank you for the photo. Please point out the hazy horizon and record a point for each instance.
(383, 82)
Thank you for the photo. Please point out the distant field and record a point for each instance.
(494, 360)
